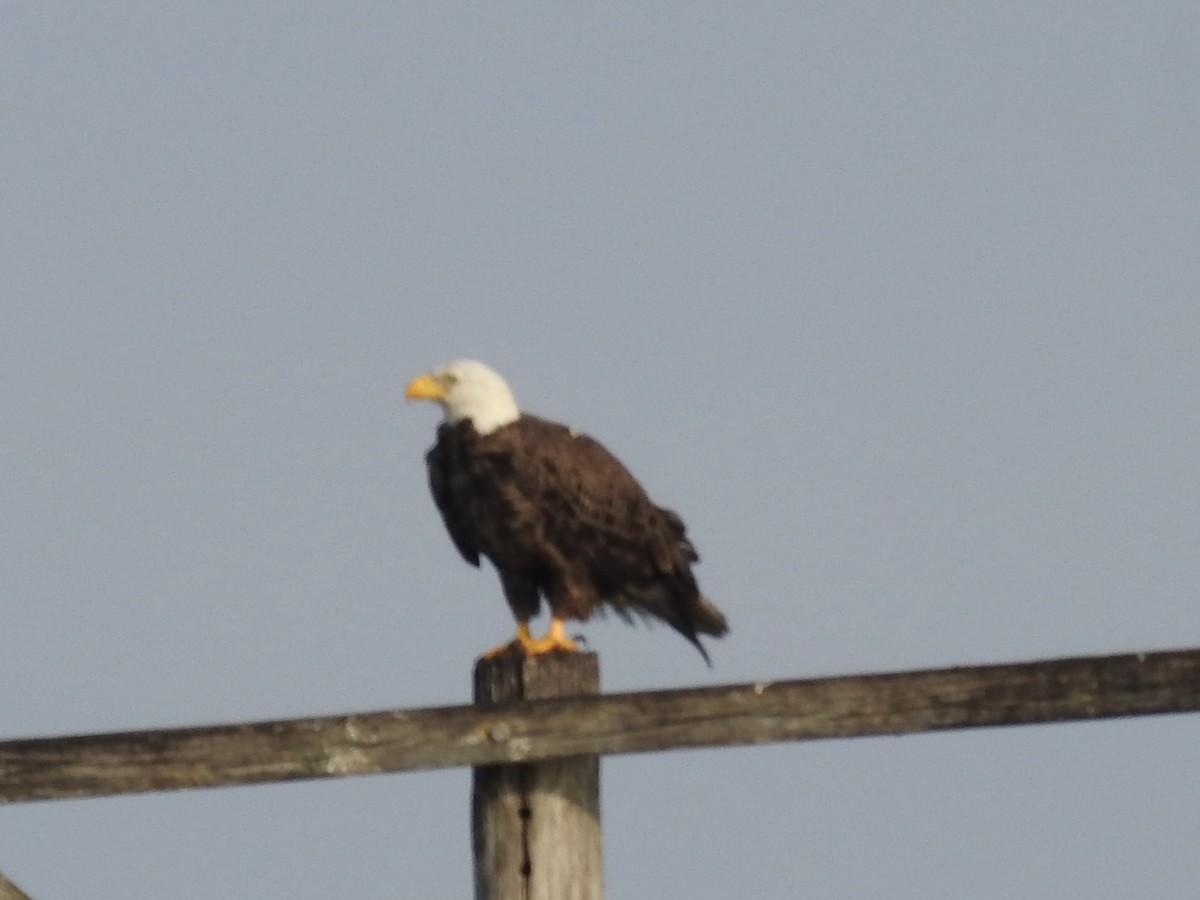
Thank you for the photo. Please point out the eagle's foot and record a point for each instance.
(551, 643)
(555, 641)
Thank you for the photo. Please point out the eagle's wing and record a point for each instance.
(437, 462)
(576, 506)
(596, 513)
(636, 555)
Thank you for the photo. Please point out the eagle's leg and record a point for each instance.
(555, 640)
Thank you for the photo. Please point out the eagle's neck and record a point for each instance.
(489, 419)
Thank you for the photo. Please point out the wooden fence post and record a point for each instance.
(535, 827)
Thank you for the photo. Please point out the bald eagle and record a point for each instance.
(556, 513)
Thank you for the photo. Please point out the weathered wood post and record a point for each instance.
(535, 827)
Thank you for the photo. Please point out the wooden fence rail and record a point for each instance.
(9, 891)
(527, 731)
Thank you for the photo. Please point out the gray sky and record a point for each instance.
(898, 304)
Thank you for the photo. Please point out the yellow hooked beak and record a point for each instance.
(425, 387)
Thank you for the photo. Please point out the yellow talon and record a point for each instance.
(555, 641)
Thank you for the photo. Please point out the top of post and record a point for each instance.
(513, 677)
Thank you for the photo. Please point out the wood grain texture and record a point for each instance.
(527, 731)
(535, 827)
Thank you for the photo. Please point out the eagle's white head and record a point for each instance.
(466, 389)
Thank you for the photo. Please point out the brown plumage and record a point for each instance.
(557, 514)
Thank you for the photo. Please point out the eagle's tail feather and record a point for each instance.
(687, 612)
